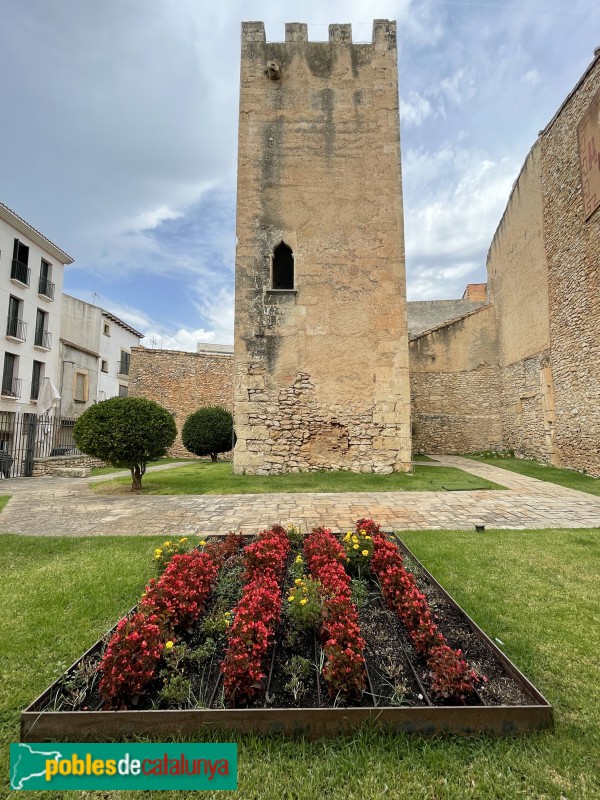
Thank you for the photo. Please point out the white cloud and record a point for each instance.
(531, 77)
(415, 109)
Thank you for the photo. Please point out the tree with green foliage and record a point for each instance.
(126, 432)
(208, 432)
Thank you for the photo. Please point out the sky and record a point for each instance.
(118, 136)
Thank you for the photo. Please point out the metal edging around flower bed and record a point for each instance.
(38, 725)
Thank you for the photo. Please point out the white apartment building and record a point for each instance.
(31, 281)
(95, 355)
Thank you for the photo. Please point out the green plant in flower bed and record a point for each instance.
(304, 603)
(297, 669)
(358, 546)
(164, 553)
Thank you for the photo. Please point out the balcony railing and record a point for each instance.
(124, 367)
(16, 328)
(46, 288)
(11, 387)
(43, 339)
(20, 272)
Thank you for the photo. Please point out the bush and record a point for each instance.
(208, 432)
(126, 432)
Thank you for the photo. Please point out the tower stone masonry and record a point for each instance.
(321, 348)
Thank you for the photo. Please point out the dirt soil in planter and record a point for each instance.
(396, 674)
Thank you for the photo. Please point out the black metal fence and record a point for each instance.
(24, 437)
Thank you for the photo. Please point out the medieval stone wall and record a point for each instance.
(181, 382)
(321, 368)
(573, 252)
(455, 387)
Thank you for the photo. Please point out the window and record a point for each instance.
(36, 379)
(15, 327)
(45, 286)
(42, 338)
(106, 329)
(104, 366)
(19, 270)
(124, 363)
(282, 271)
(123, 390)
(11, 385)
(80, 386)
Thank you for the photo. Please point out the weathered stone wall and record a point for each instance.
(518, 288)
(455, 387)
(424, 315)
(52, 464)
(573, 252)
(321, 369)
(181, 382)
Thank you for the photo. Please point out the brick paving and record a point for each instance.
(68, 506)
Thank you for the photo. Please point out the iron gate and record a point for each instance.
(24, 437)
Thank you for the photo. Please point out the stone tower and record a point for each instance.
(321, 348)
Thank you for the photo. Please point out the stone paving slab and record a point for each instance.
(52, 506)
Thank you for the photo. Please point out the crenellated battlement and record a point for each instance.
(384, 32)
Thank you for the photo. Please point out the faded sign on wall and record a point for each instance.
(588, 133)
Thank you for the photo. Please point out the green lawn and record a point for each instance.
(544, 472)
(4, 498)
(158, 462)
(534, 590)
(206, 477)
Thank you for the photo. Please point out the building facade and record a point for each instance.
(96, 351)
(320, 354)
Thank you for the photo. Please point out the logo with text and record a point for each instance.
(123, 766)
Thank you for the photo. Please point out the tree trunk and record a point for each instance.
(136, 479)
(213, 456)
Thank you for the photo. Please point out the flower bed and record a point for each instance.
(358, 635)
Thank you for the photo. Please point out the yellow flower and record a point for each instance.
(183, 540)
(303, 602)
(298, 559)
(298, 581)
(167, 544)
(365, 552)
(291, 598)
(368, 538)
(355, 546)
(202, 542)
(169, 645)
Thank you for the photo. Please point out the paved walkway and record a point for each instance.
(68, 506)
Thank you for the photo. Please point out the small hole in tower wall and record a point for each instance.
(283, 267)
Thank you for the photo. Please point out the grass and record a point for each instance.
(534, 590)
(158, 462)
(544, 472)
(4, 498)
(206, 477)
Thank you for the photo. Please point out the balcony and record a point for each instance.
(43, 339)
(46, 288)
(20, 273)
(16, 329)
(11, 387)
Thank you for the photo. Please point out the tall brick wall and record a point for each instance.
(455, 387)
(181, 382)
(321, 368)
(573, 253)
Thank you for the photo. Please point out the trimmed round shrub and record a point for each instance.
(208, 432)
(126, 432)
